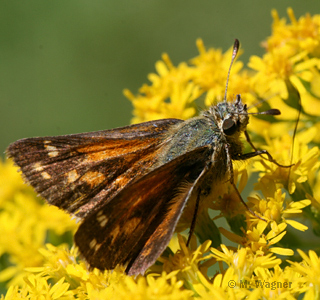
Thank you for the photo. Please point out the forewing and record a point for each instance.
(77, 172)
(136, 225)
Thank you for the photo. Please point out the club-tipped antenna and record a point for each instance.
(270, 112)
(236, 47)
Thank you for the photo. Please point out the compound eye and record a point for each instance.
(229, 127)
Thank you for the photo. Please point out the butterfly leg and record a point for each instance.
(230, 169)
(259, 152)
(194, 218)
(196, 209)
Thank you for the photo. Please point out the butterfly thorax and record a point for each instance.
(220, 125)
(187, 136)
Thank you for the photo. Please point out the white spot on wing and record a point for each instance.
(97, 247)
(37, 166)
(53, 151)
(72, 176)
(100, 213)
(115, 233)
(103, 220)
(93, 243)
(45, 175)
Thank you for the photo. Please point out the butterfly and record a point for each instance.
(130, 185)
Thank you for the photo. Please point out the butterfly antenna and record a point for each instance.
(236, 47)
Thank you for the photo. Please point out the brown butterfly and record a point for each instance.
(131, 184)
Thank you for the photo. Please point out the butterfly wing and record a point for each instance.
(78, 172)
(136, 225)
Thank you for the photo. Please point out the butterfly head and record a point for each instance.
(230, 117)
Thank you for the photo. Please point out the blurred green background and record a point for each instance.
(64, 64)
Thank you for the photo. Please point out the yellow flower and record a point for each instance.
(291, 65)
(165, 287)
(270, 284)
(305, 162)
(37, 287)
(210, 73)
(25, 224)
(174, 89)
(244, 261)
(170, 95)
(309, 270)
(224, 286)
(10, 182)
(301, 35)
(226, 199)
(278, 74)
(35, 269)
(277, 209)
(187, 262)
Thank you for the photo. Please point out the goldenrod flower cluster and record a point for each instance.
(253, 256)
